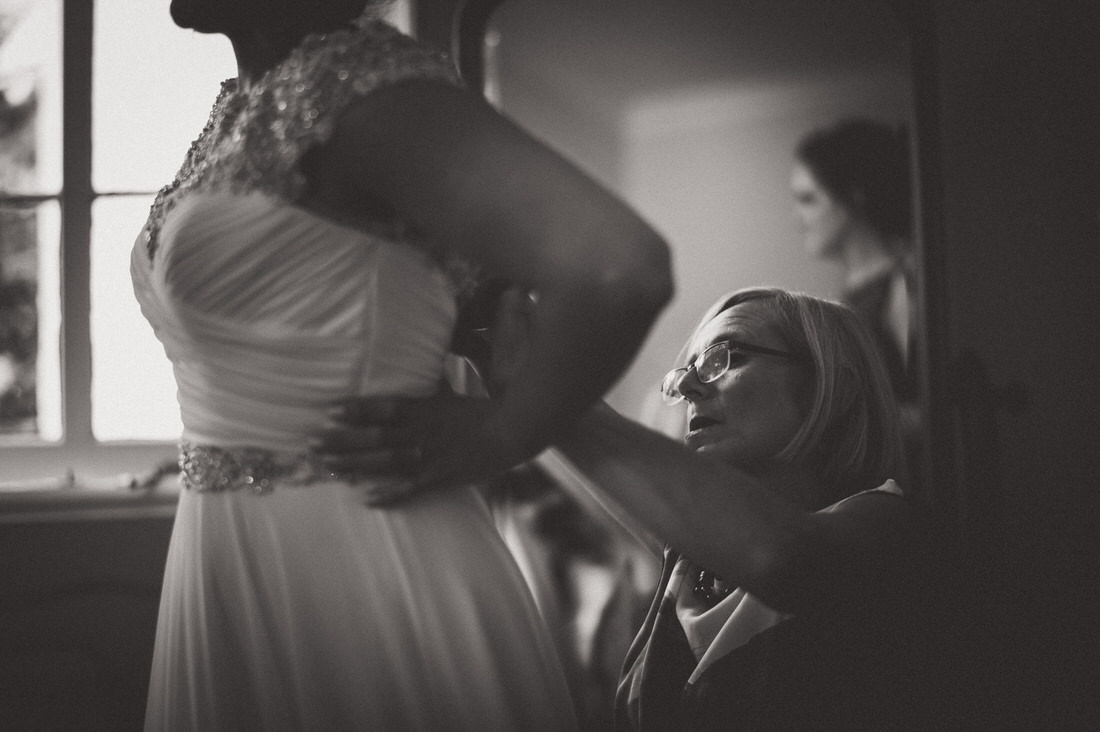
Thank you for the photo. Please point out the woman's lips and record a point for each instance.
(699, 436)
(700, 423)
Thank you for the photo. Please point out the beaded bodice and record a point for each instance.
(269, 311)
(254, 139)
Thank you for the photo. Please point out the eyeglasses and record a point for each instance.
(711, 364)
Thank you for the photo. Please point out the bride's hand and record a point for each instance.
(408, 445)
(442, 440)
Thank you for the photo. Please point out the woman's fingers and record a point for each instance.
(371, 437)
(363, 424)
(429, 443)
(342, 439)
(368, 463)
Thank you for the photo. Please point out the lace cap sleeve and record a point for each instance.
(298, 105)
(254, 140)
(322, 77)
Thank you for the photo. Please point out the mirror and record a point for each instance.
(691, 111)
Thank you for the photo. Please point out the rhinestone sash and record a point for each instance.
(209, 469)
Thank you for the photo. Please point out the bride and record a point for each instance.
(325, 228)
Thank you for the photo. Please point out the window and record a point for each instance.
(98, 103)
(144, 116)
(30, 181)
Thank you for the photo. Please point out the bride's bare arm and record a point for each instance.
(444, 161)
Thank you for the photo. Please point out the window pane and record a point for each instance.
(133, 394)
(30, 96)
(30, 321)
(146, 113)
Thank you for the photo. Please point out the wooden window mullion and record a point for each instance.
(76, 204)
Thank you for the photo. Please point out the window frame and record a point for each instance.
(78, 458)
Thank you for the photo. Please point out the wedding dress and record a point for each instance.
(287, 603)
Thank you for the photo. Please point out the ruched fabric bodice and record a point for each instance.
(267, 310)
(269, 313)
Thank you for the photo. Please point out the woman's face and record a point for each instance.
(752, 411)
(824, 220)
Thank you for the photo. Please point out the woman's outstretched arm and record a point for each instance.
(752, 533)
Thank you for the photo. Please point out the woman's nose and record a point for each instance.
(690, 386)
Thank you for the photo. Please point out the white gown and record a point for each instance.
(287, 603)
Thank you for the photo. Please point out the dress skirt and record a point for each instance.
(305, 609)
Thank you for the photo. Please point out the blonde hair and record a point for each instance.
(851, 435)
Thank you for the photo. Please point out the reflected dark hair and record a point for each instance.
(222, 16)
(851, 434)
(865, 166)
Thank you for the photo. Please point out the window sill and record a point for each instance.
(62, 502)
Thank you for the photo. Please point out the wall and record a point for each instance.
(710, 168)
(707, 163)
(1011, 108)
(81, 574)
(691, 112)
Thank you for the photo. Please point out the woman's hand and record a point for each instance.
(416, 444)
(437, 441)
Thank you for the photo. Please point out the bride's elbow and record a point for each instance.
(640, 281)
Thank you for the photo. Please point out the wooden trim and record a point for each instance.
(76, 222)
(933, 320)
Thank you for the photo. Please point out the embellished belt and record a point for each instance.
(209, 469)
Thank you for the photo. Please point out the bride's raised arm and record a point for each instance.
(443, 160)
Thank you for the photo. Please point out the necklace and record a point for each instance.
(710, 588)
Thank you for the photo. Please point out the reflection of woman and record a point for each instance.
(315, 243)
(852, 195)
(792, 544)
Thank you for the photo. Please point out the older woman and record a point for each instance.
(853, 198)
(788, 544)
(787, 539)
